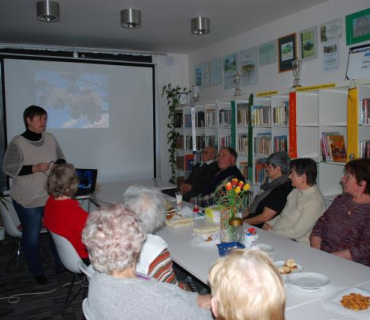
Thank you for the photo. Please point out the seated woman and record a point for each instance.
(305, 204)
(344, 229)
(114, 239)
(226, 161)
(273, 194)
(63, 215)
(149, 206)
(258, 292)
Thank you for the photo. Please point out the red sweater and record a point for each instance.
(67, 219)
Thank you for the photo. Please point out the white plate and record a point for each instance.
(308, 280)
(292, 286)
(265, 247)
(279, 264)
(201, 241)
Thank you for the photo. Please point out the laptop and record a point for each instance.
(86, 181)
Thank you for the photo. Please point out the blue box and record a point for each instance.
(224, 248)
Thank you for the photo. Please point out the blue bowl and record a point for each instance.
(224, 248)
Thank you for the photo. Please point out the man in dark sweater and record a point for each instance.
(203, 172)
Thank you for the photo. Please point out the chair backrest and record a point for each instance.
(84, 308)
(87, 270)
(67, 253)
(7, 221)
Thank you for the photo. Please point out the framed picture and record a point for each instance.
(331, 30)
(267, 53)
(308, 43)
(287, 48)
(358, 27)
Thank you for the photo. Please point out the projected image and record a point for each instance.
(73, 100)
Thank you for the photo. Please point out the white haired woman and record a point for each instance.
(114, 239)
(247, 286)
(155, 260)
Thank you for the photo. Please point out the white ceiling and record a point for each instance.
(165, 23)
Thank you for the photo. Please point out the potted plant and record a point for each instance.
(173, 96)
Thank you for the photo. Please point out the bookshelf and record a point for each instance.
(211, 124)
(364, 121)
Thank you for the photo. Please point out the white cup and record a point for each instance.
(178, 198)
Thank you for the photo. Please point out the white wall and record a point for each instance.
(173, 69)
(268, 76)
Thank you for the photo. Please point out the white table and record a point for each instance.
(112, 192)
(198, 259)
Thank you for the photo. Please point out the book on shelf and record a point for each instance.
(243, 167)
(180, 162)
(189, 160)
(260, 173)
(180, 142)
(242, 114)
(224, 117)
(199, 119)
(187, 120)
(333, 147)
(188, 142)
(210, 141)
(364, 111)
(243, 144)
(262, 143)
(210, 118)
(178, 119)
(261, 116)
(201, 142)
(364, 149)
(225, 141)
(281, 143)
(280, 114)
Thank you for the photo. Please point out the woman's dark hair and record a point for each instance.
(31, 112)
(62, 181)
(360, 169)
(305, 166)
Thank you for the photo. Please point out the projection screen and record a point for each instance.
(101, 114)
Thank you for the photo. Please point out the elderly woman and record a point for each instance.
(344, 229)
(273, 196)
(247, 286)
(62, 214)
(114, 239)
(155, 259)
(304, 206)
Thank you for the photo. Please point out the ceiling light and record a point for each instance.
(131, 18)
(48, 11)
(200, 25)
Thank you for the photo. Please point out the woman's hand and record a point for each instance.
(204, 301)
(40, 167)
(267, 227)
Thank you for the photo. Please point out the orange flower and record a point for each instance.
(241, 184)
(237, 190)
(246, 187)
(234, 182)
(228, 186)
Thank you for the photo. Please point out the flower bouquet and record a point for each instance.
(231, 196)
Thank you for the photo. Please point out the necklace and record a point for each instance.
(351, 209)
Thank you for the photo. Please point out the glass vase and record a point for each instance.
(231, 228)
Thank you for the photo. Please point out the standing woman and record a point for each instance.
(27, 161)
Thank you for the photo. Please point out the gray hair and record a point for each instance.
(114, 238)
(280, 159)
(148, 204)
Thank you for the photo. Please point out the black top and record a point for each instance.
(276, 200)
(230, 172)
(201, 175)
